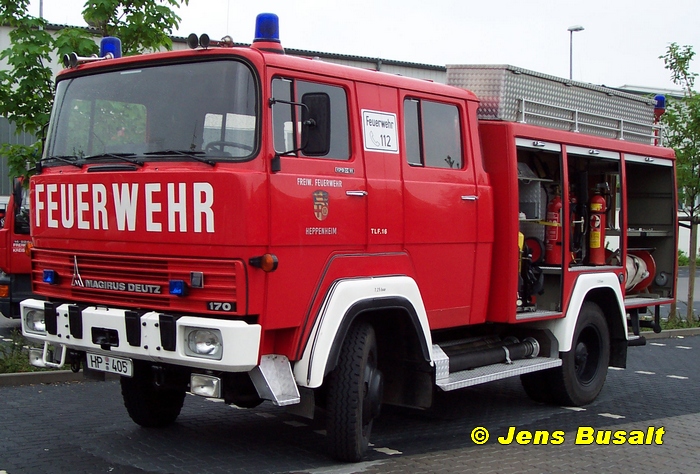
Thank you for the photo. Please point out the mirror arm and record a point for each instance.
(272, 101)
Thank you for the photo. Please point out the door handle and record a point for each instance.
(356, 193)
(470, 198)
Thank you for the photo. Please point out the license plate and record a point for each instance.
(114, 365)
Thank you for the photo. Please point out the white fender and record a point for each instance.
(563, 329)
(343, 294)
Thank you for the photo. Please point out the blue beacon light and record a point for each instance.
(267, 33)
(660, 101)
(111, 45)
(660, 107)
(267, 27)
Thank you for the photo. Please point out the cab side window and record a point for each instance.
(283, 116)
(286, 117)
(433, 134)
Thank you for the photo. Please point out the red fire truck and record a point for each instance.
(247, 225)
(15, 283)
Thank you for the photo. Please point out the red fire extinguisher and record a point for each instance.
(597, 207)
(553, 234)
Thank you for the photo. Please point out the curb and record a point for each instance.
(27, 378)
(53, 376)
(670, 333)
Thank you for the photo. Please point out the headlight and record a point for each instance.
(205, 343)
(34, 322)
(205, 385)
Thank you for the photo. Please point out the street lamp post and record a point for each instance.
(571, 30)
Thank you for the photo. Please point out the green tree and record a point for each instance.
(142, 25)
(682, 119)
(27, 87)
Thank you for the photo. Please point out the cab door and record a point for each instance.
(318, 201)
(379, 109)
(440, 206)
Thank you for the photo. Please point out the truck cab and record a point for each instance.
(15, 281)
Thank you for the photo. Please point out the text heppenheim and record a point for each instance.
(94, 206)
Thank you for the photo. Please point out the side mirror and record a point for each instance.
(316, 124)
(21, 218)
(17, 195)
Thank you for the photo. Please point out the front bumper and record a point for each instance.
(151, 336)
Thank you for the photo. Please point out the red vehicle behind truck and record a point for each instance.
(246, 225)
(15, 281)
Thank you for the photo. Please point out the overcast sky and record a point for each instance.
(620, 45)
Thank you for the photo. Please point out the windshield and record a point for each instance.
(194, 109)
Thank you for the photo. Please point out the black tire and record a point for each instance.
(584, 368)
(354, 394)
(148, 405)
(537, 386)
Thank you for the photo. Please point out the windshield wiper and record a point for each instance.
(188, 153)
(68, 159)
(118, 156)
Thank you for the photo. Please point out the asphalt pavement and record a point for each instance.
(84, 428)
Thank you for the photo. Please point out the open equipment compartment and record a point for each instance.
(539, 180)
(651, 222)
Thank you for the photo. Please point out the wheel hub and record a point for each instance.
(586, 355)
(374, 388)
(581, 356)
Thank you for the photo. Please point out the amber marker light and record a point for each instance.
(267, 262)
(28, 248)
(4, 291)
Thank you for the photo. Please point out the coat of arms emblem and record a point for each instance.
(321, 204)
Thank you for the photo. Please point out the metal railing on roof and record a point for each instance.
(585, 122)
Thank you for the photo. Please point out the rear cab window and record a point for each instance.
(433, 134)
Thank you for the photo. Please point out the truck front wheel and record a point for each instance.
(148, 405)
(354, 394)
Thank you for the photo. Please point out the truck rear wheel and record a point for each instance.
(537, 385)
(148, 405)
(354, 394)
(584, 368)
